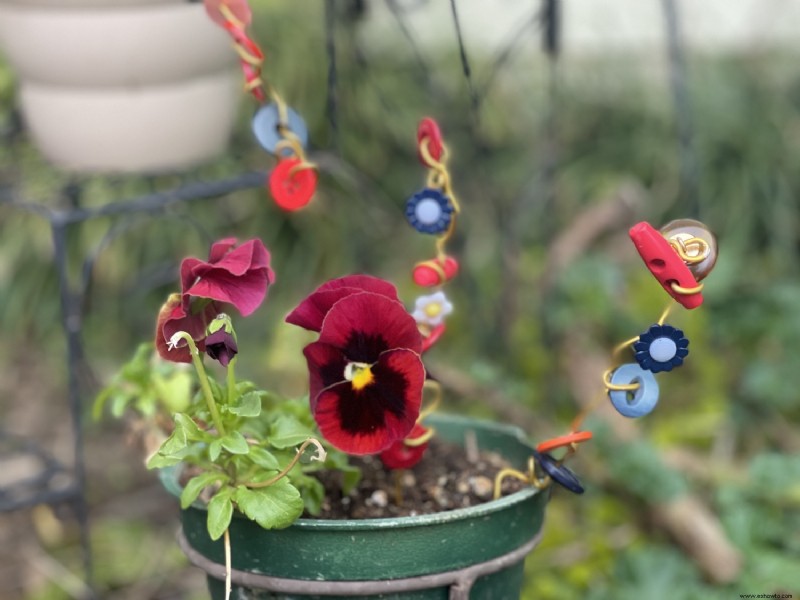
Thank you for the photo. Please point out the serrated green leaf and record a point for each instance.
(196, 485)
(288, 431)
(264, 458)
(235, 443)
(157, 461)
(175, 443)
(220, 511)
(214, 449)
(193, 432)
(248, 405)
(273, 507)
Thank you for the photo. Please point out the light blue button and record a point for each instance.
(265, 127)
(639, 402)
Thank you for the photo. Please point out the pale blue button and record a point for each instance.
(265, 127)
(639, 402)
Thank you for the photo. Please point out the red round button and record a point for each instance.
(292, 191)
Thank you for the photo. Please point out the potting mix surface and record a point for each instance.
(446, 478)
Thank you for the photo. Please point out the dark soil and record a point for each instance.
(445, 479)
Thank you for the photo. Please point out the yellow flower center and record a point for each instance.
(433, 309)
(359, 374)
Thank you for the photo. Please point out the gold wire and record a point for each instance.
(434, 264)
(578, 420)
(617, 387)
(423, 439)
(229, 16)
(682, 248)
(253, 84)
(248, 56)
(666, 312)
(302, 166)
(290, 144)
(622, 346)
(436, 391)
(686, 291)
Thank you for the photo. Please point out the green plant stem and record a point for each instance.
(231, 378)
(203, 377)
(292, 463)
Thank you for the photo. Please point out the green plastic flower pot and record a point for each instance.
(471, 553)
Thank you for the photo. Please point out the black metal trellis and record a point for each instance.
(54, 482)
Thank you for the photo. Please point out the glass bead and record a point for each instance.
(683, 231)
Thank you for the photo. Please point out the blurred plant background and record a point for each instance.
(553, 159)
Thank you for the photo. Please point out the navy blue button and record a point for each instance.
(429, 211)
(661, 348)
(558, 472)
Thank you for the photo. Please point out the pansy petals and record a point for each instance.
(326, 367)
(370, 419)
(364, 283)
(172, 318)
(238, 276)
(310, 313)
(365, 324)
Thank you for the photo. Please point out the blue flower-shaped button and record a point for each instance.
(558, 472)
(661, 348)
(429, 211)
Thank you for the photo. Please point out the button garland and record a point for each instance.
(679, 256)
(431, 211)
(278, 128)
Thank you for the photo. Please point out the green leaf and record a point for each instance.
(175, 443)
(119, 402)
(350, 477)
(220, 511)
(196, 485)
(158, 461)
(175, 390)
(248, 405)
(264, 458)
(288, 431)
(193, 432)
(235, 443)
(273, 507)
(214, 448)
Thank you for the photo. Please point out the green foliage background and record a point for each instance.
(734, 406)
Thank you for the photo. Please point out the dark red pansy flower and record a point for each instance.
(404, 454)
(235, 275)
(310, 313)
(365, 371)
(172, 318)
(221, 346)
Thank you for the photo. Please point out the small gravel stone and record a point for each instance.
(379, 498)
(481, 486)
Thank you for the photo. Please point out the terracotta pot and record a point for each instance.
(133, 88)
(474, 553)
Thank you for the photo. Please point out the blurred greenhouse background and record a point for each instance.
(558, 144)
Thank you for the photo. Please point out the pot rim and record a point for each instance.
(169, 479)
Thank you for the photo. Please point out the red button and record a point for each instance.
(435, 272)
(664, 263)
(429, 129)
(292, 191)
